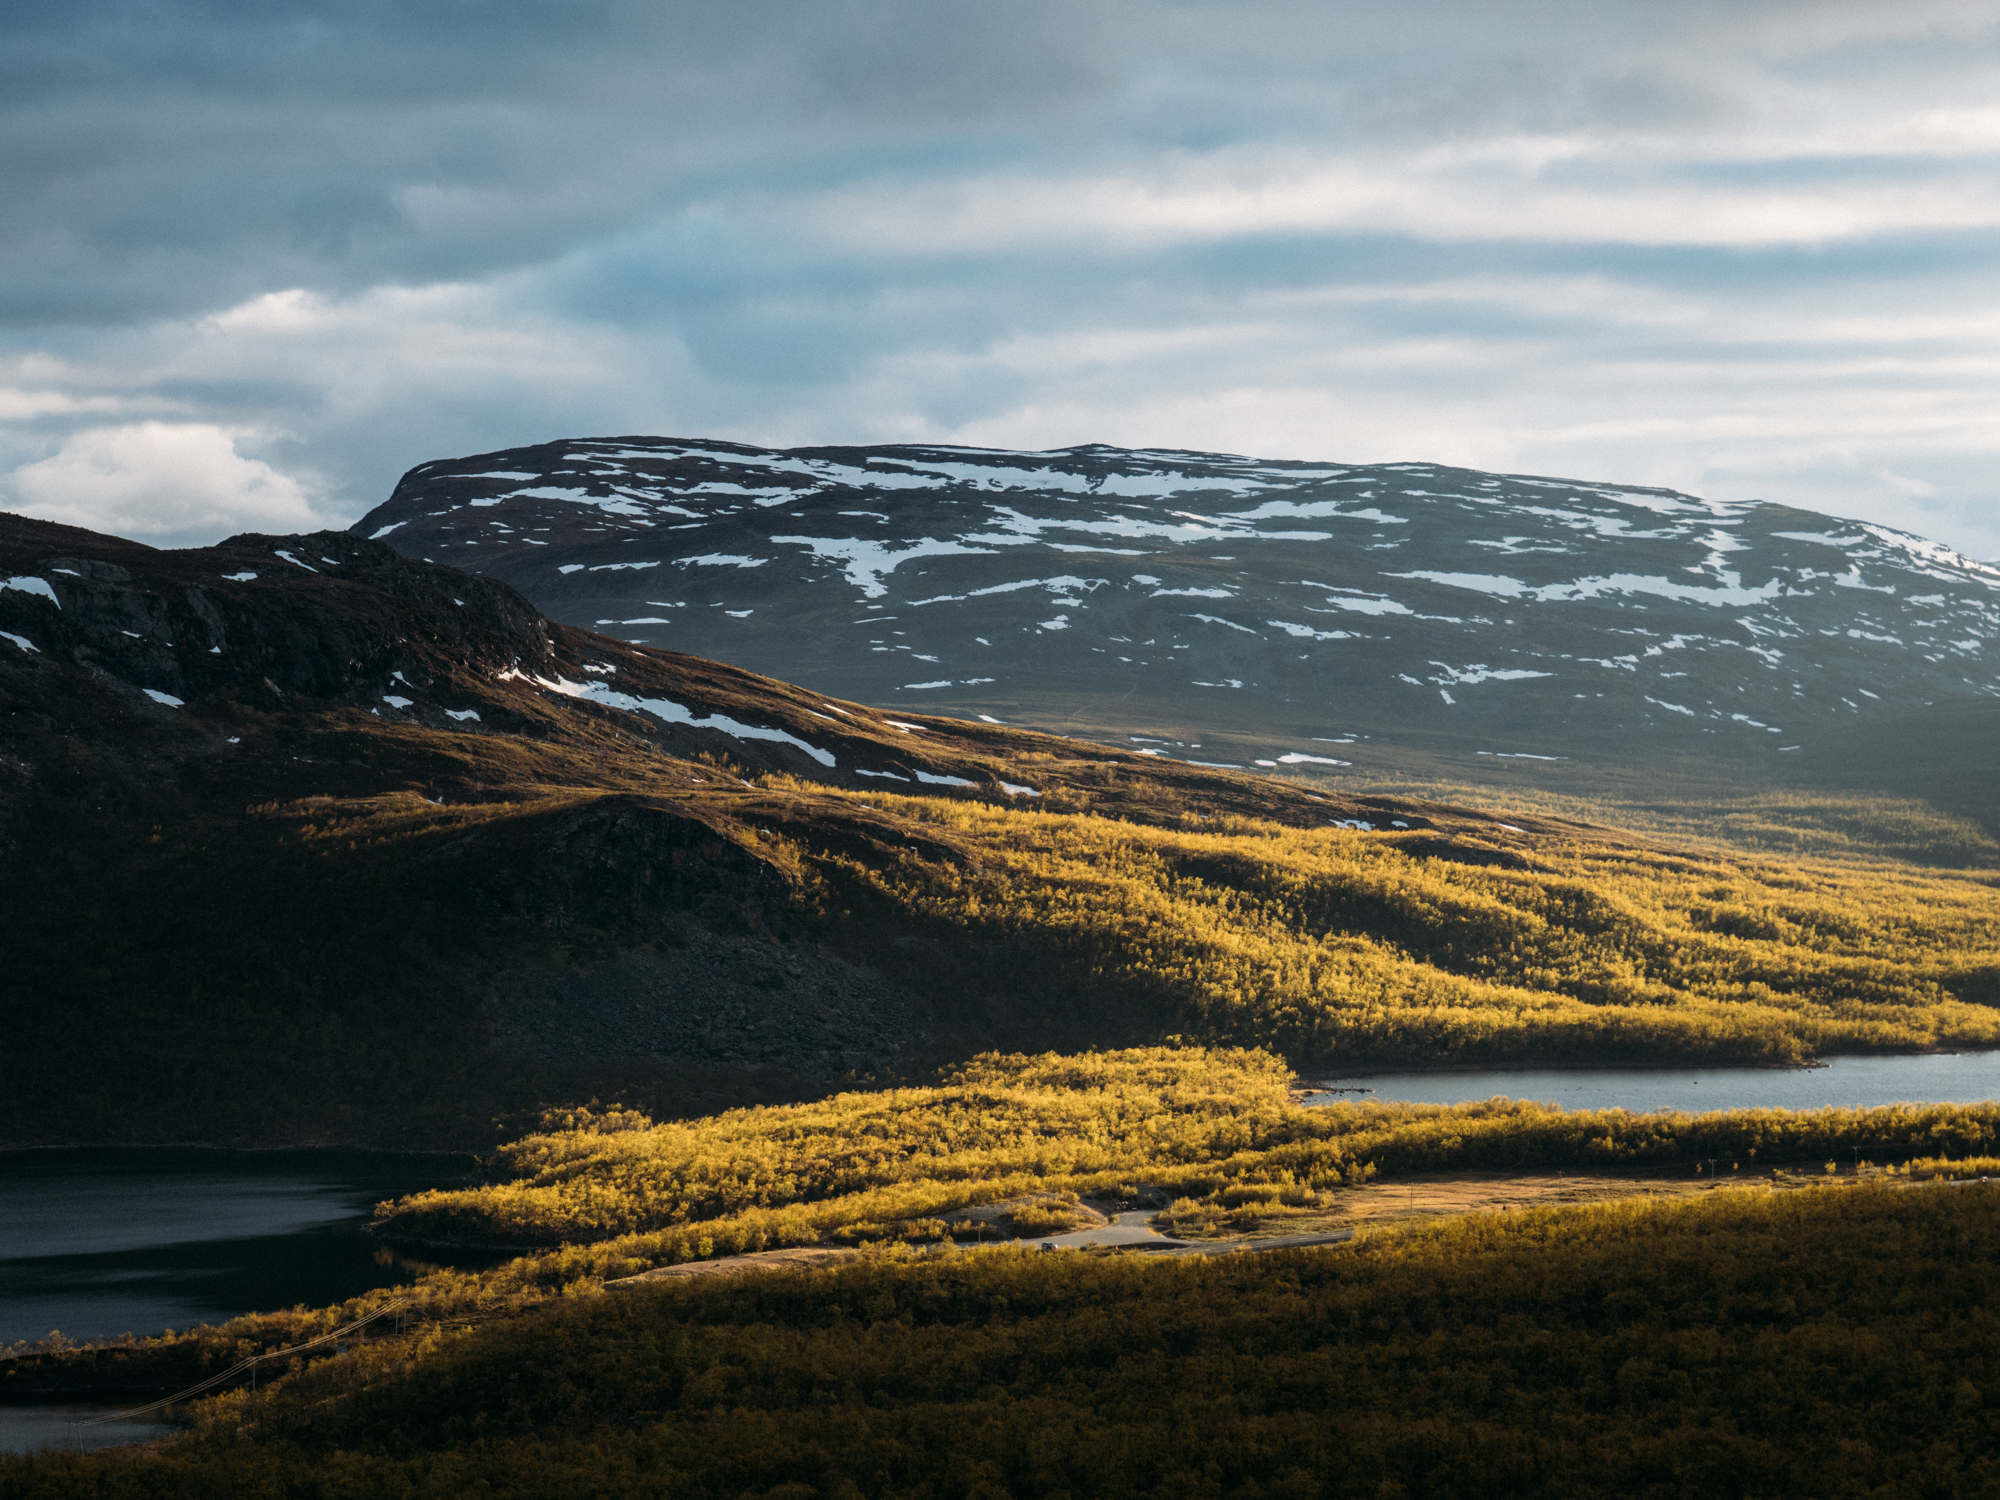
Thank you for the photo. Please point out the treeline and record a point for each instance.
(1329, 944)
(1216, 1130)
(1841, 1343)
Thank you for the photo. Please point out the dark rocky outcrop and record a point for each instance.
(712, 999)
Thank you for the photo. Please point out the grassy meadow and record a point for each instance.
(1693, 807)
(297, 947)
(1821, 1321)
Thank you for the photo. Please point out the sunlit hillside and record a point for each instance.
(374, 852)
(1332, 944)
(1213, 1137)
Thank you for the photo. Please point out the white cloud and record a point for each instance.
(1608, 198)
(18, 405)
(169, 483)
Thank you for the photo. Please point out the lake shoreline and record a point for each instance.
(1312, 1082)
(370, 1153)
(1843, 1081)
(1573, 1066)
(99, 1240)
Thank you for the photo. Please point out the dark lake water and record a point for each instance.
(23, 1429)
(1951, 1078)
(95, 1243)
(103, 1242)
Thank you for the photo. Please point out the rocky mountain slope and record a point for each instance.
(360, 844)
(1206, 607)
(301, 839)
(188, 657)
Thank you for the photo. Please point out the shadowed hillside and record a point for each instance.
(309, 841)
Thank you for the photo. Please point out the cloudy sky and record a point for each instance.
(257, 260)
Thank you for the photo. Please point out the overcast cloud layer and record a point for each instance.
(256, 261)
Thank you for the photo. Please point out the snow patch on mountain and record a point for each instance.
(1617, 612)
(667, 712)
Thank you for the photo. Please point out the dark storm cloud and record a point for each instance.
(164, 158)
(256, 259)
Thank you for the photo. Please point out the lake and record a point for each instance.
(23, 1429)
(1947, 1078)
(99, 1242)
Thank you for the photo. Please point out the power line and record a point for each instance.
(240, 1366)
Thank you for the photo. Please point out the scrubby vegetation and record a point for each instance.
(1965, 1169)
(1828, 1343)
(1331, 944)
(1694, 805)
(1215, 1131)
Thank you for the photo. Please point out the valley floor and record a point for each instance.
(1825, 1342)
(1420, 1199)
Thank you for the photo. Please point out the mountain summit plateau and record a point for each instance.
(1216, 608)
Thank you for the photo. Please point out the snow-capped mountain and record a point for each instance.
(1167, 597)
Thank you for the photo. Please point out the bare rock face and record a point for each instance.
(715, 999)
(257, 619)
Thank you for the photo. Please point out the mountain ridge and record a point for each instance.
(1178, 601)
(358, 629)
(272, 807)
(305, 840)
